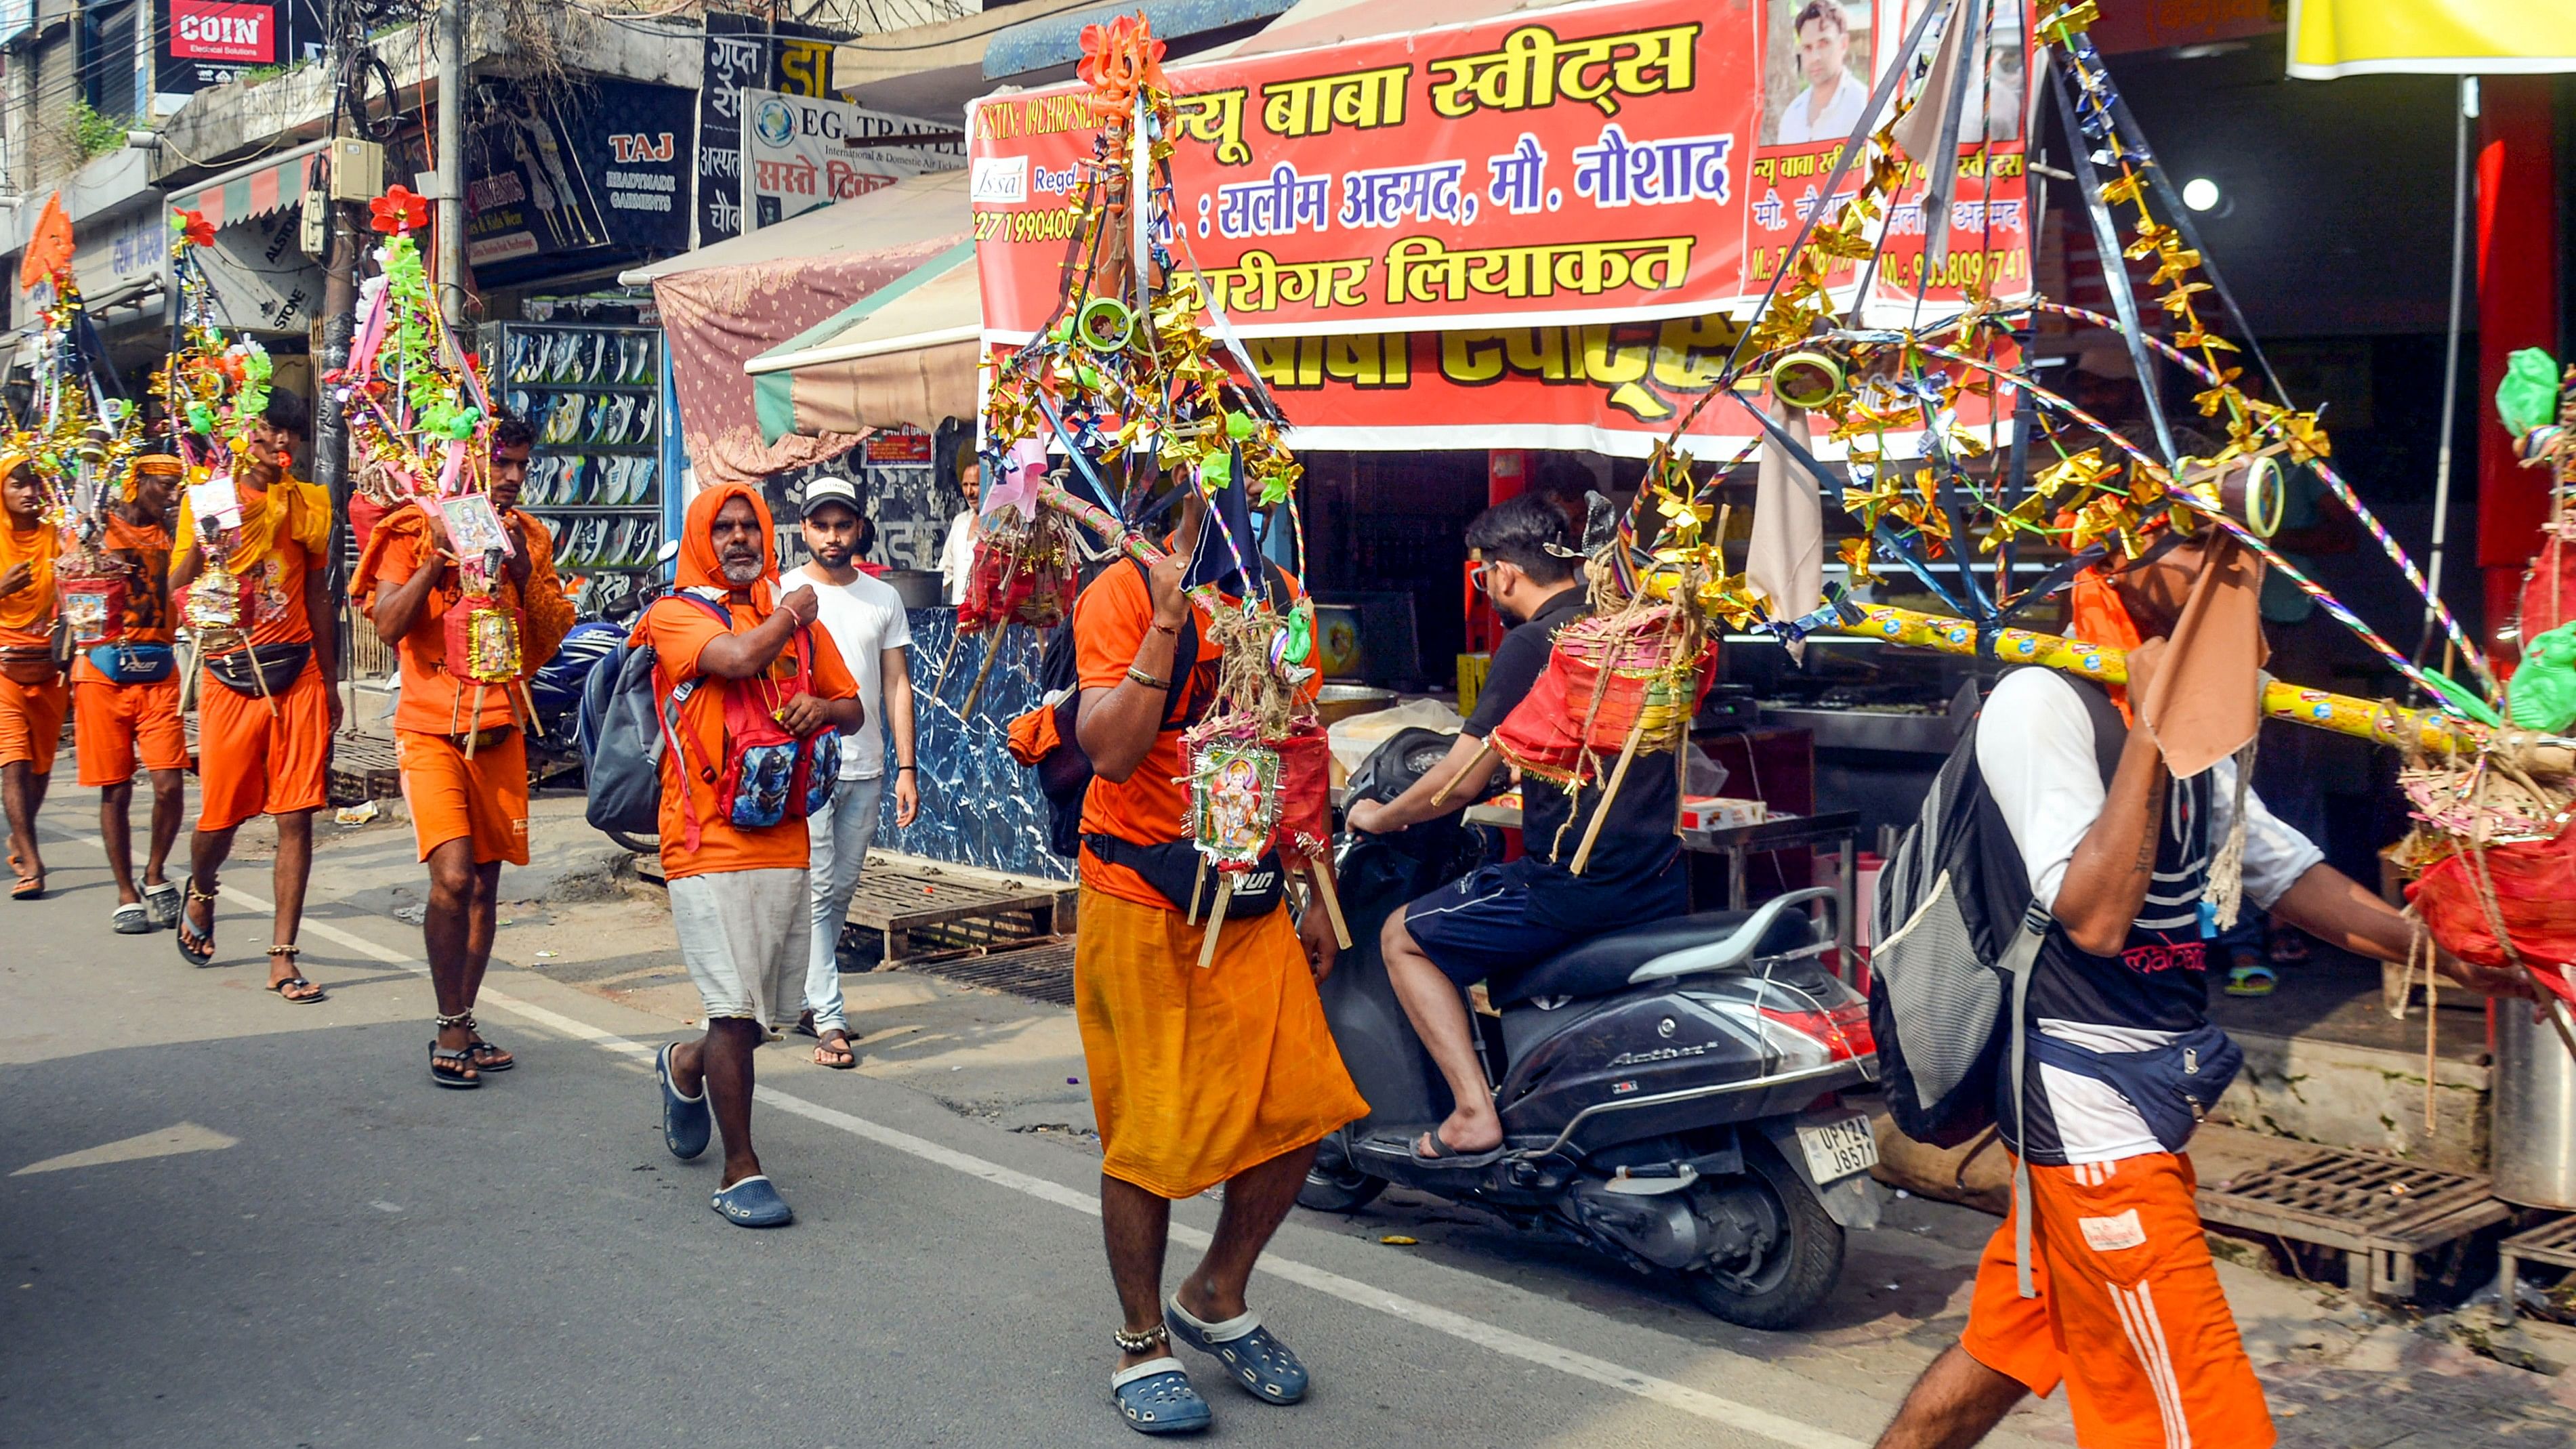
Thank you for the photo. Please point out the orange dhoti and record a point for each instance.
(262, 755)
(114, 723)
(1197, 1074)
(2129, 1314)
(484, 799)
(31, 722)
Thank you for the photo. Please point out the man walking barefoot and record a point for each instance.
(464, 769)
(1198, 1076)
(267, 708)
(127, 691)
(730, 647)
(32, 696)
(864, 616)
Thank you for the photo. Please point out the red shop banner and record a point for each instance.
(1615, 388)
(1624, 162)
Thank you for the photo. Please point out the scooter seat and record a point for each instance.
(1602, 965)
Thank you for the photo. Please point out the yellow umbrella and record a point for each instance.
(2331, 38)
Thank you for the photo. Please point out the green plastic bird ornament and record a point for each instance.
(2528, 396)
(2542, 694)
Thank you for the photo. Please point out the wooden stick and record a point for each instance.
(475, 721)
(1601, 812)
(1332, 900)
(992, 651)
(1441, 795)
(1216, 918)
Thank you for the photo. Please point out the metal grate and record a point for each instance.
(1040, 973)
(912, 904)
(362, 768)
(2379, 1211)
(2552, 1244)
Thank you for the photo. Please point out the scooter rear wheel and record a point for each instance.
(1800, 1270)
(1342, 1191)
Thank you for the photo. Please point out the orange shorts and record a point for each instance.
(31, 722)
(262, 756)
(112, 722)
(484, 799)
(2124, 1275)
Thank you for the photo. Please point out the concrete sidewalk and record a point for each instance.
(2338, 1372)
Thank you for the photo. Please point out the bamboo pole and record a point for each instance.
(1216, 918)
(1601, 812)
(2379, 721)
(1322, 875)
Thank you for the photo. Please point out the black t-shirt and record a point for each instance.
(1637, 841)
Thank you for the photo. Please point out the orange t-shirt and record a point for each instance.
(144, 551)
(275, 581)
(679, 631)
(1150, 806)
(433, 700)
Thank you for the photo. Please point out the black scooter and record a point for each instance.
(1668, 1092)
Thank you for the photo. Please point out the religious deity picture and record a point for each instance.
(1234, 803)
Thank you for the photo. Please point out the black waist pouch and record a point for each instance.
(2171, 1086)
(262, 670)
(1172, 869)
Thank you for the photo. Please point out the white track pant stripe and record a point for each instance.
(2133, 1322)
(2155, 1332)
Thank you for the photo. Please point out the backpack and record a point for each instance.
(1956, 930)
(623, 735)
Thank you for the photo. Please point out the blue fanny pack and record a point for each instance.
(2172, 1086)
(134, 663)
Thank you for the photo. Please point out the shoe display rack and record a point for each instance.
(594, 395)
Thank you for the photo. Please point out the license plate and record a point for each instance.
(1837, 1149)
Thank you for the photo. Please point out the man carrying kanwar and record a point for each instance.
(126, 699)
(1226, 1074)
(2126, 814)
(32, 696)
(458, 742)
(753, 697)
(268, 699)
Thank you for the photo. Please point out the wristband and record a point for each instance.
(899, 769)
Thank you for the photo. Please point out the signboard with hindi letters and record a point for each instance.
(804, 152)
(1615, 162)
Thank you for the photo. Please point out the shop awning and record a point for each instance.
(914, 209)
(905, 353)
(271, 184)
(1057, 39)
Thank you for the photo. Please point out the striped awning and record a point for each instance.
(905, 353)
(270, 184)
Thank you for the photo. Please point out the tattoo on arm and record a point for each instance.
(2146, 863)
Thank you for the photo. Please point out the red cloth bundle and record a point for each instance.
(1023, 573)
(2535, 899)
(1305, 790)
(1545, 733)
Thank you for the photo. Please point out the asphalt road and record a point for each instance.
(226, 1220)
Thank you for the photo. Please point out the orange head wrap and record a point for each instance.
(698, 565)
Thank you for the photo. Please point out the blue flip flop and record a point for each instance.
(1157, 1398)
(1256, 1359)
(753, 1203)
(686, 1122)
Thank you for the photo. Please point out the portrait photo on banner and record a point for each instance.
(1999, 101)
(1816, 69)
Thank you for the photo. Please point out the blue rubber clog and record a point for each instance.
(686, 1122)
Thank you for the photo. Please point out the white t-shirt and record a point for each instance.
(957, 555)
(865, 618)
(2035, 749)
(1842, 114)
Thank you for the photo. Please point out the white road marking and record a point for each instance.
(1695, 1402)
(168, 1142)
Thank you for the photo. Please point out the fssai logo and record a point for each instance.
(223, 30)
(776, 122)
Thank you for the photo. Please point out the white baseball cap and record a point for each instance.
(831, 490)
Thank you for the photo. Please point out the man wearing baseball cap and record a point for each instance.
(864, 616)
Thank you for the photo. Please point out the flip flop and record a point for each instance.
(1444, 1156)
(2252, 981)
(686, 1121)
(753, 1203)
(1157, 1398)
(28, 888)
(454, 1077)
(131, 920)
(1256, 1358)
(183, 932)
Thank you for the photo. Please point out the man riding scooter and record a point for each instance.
(1497, 921)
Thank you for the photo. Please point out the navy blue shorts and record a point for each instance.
(1490, 926)
(1477, 927)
